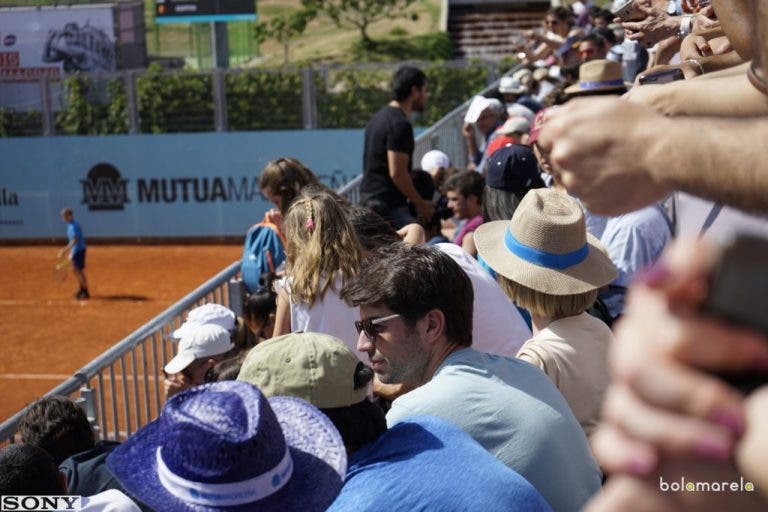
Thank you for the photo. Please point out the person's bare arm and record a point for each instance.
(468, 244)
(632, 156)
(551, 40)
(412, 234)
(655, 27)
(542, 51)
(282, 314)
(67, 247)
(468, 131)
(723, 96)
(400, 174)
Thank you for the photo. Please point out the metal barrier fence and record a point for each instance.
(122, 389)
(157, 101)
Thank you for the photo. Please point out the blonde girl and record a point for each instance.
(322, 253)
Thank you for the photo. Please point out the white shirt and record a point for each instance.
(497, 327)
(328, 315)
(634, 241)
(111, 500)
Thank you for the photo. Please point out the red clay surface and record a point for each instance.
(47, 335)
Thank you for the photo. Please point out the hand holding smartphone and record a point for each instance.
(662, 77)
(738, 288)
(627, 11)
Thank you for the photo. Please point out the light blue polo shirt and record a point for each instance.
(515, 412)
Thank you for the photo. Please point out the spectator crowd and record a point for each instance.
(542, 329)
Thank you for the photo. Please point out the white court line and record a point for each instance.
(34, 302)
(59, 376)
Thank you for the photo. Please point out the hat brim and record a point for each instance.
(179, 362)
(319, 464)
(476, 107)
(595, 271)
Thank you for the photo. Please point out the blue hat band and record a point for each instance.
(601, 83)
(542, 258)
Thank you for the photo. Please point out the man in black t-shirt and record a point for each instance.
(388, 151)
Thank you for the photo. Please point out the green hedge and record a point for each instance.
(256, 100)
(264, 101)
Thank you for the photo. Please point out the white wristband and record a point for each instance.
(686, 26)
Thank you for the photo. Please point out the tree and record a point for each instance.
(360, 14)
(284, 28)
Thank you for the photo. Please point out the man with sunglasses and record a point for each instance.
(415, 324)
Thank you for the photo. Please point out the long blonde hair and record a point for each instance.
(321, 245)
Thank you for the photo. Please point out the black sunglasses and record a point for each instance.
(369, 326)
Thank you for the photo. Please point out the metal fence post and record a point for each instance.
(87, 401)
(49, 127)
(133, 108)
(219, 101)
(308, 98)
(236, 295)
(492, 72)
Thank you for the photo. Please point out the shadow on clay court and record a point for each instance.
(133, 298)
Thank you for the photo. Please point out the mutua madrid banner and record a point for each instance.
(156, 186)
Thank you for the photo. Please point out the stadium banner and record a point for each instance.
(157, 186)
(52, 42)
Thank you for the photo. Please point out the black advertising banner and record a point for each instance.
(186, 11)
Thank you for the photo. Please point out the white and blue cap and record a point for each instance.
(546, 247)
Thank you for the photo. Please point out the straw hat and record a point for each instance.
(546, 247)
(225, 446)
(598, 75)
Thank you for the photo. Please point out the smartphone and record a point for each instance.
(623, 9)
(737, 289)
(626, 10)
(662, 77)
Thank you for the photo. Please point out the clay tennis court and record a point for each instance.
(47, 335)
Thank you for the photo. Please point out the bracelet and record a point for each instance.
(686, 26)
(701, 68)
(757, 82)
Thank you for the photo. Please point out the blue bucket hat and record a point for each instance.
(225, 446)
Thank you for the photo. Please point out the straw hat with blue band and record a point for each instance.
(598, 75)
(546, 246)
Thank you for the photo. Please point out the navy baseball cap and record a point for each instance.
(513, 168)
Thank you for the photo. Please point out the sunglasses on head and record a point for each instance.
(369, 326)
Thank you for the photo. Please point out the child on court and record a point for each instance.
(323, 252)
(76, 246)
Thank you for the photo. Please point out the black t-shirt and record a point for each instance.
(388, 130)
